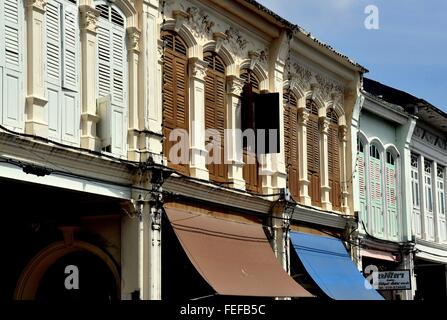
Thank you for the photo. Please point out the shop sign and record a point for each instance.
(393, 280)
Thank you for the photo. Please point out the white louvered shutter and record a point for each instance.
(11, 82)
(104, 54)
(53, 67)
(112, 62)
(69, 44)
(12, 36)
(53, 48)
(118, 90)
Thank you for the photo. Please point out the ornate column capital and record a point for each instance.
(303, 117)
(344, 133)
(234, 85)
(133, 39)
(198, 68)
(89, 18)
(220, 38)
(38, 5)
(324, 125)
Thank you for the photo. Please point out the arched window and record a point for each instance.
(375, 190)
(334, 160)
(111, 76)
(252, 179)
(215, 113)
(175, 79)
(12, 91)
(313, 153)
(391, 195)
(362, 182)
(290, 106)
(62, 70)
(429, 215)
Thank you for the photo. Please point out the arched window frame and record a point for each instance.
(392, 161)
(291, 141)
(253, 181)
(216, 70)
(336, 190)
(178, 49)
(364, 203)
(314, 152)
(62, 70)
(112, 63)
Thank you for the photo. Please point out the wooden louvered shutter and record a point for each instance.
(334, 161)
(175, 108)
(391, 199)
(253, 182)
(215, 114)
(313, 153)
(69, 43)
(291, 143)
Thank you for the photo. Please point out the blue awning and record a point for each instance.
(330, 266)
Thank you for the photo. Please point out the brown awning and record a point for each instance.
(234, 258)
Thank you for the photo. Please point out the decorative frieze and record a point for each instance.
(430, 138)
(199, 22)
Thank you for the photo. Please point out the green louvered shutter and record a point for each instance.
(391, 200)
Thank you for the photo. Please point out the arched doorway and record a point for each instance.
(44, 277)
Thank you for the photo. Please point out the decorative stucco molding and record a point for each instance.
(89, 18)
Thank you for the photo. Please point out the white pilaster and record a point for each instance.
(135, 114)
(303, 117)
(324, 169)
(197, 72)
(35, 102)
(233, 147)
(89, 116)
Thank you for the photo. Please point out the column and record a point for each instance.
(197, 71)
(89, 116)
(408, 264)
(141, 240)
(233, 145)
(150, 84)
(303, 117)
(343, 171)
(35, 123)
(277, 161)
(133, 52)
(324, 169)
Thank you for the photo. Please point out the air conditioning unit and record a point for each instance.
(104, 125)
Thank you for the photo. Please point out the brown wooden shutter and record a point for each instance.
(215, 111)
(175, 108)
(313, 153)
(334, 160)
(290, 106)
(253, 182)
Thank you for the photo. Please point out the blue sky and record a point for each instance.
(408, 51)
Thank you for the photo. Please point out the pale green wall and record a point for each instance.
(374, 126)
